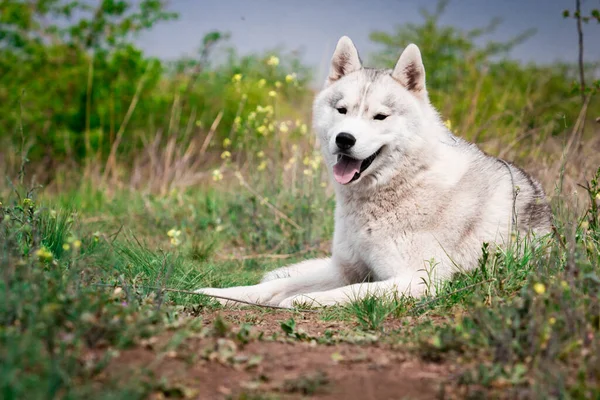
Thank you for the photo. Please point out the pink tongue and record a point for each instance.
(345, 168)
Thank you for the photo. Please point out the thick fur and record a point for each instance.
(423, 208)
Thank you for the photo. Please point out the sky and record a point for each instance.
(314, 26)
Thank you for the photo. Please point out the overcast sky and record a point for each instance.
(313, 26)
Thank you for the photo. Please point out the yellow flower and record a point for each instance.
(260, 154)
(307, 172)
(217, 175)
(173, 233)
(564, 284)
(598, 196)
(237, 78)
(225, 155)
(585, 224)
(303, 129)
(448, 124)
(237, 120)
(290, 77)
(539, 288)
(262, 83)
(277, 84)
(175, 242)
(77, 244)
(272, 93)
(262, 129)
(273, 61)
(262, 166)
(552, 320)
(226, 142)
(44, 254)
(66, 247)
(283, 128)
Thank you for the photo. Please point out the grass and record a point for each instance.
(86, 274)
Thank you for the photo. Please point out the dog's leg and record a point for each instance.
(350, 293)
(306, 267)
(308, 276)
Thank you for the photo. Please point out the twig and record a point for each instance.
(211, 132)
(209, 295)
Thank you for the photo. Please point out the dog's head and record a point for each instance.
(369, 120)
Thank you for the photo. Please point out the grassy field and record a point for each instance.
(130, 182)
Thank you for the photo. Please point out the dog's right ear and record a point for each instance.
(344, 61)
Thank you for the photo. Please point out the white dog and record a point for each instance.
(411, 197)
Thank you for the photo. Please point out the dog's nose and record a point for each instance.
(344, 140)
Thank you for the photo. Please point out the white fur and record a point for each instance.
(423, 207)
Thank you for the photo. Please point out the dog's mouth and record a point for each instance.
(348, 169)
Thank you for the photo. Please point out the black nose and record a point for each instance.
(345, 140)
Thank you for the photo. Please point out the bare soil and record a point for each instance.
(207, 367)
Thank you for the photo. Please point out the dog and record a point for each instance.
(411, 198)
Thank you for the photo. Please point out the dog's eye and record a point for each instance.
(342, 110)
(380, 117)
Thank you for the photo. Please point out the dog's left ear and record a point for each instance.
(410, 72)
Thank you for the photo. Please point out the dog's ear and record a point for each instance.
(410, 72)
(344, 61)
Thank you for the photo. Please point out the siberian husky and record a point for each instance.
(411, 198)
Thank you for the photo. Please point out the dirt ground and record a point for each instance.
(207, 367)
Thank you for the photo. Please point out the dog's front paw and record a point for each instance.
(223, 296)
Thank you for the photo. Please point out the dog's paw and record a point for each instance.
(238, 296)
(223, 296)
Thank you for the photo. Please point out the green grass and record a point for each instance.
(83, 271)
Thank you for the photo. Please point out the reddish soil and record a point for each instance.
(210, 368)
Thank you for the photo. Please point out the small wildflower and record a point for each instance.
(290, 77)
(539, 288)
(262, 83)
(585, 225)
(27, 202)
(199, 124)
(260, 154)
(66, 247)
(226, 142)
(44, 254)
(173, 233)
(53, 214)
(564, 284)
(598, 196)
(175, 241)
(77, 244)
(217, 175)
(262, 129)
(272, 93)
(219, 228)
(262, 166)
(225, 155)
(278, 84)
(307, 172)
(237, 120)
(303, 129)
(273, 61)
(236, 78)
(283, 127)
(552, 320)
